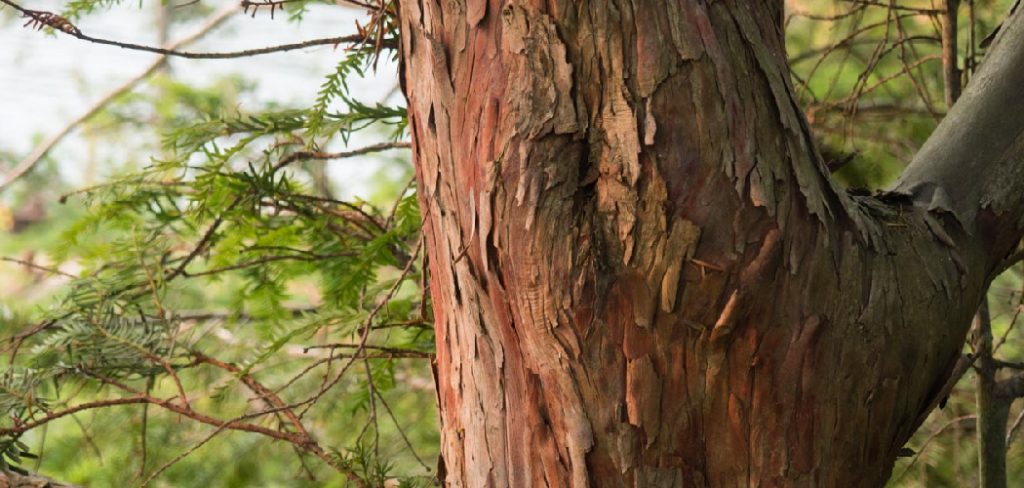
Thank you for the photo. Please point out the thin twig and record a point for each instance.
(1014, 428)
(258, 388)
(388, 350)
(264, 260)
(929, 440)
(37, 154)
(321, 156)
(29, 264)
(47, 19)
(401, 431)
(152, 476)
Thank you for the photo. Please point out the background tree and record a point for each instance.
(591, 163)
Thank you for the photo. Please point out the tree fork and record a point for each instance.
(641, 271)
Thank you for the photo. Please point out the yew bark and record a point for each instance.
(641, 272)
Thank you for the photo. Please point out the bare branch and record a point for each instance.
(47, 19)
(29, 264)
(265, 260)
(258, 388)
(965, 418)
(37, 154)
(893, 6)
(395, 351)
(322, 156)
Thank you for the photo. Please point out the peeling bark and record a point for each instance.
(641, 272)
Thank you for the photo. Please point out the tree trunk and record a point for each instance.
(641, 272)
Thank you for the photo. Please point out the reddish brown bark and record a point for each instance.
(641, 272)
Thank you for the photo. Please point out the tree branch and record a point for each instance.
(972, 163)
(29, 264)
(40, 19)
(950, 70)
(323, 156)
(1011, 388)
(37, 154)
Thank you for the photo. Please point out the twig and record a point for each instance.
(304, 442)
(321, 156)
(366, 328)
(47, 19)
(29, 264)
(922, 11)
(258, 388)
(387, 350)
(89, 441)
(203, 241)
(929, 440)
(264, 260)
(272, 5)
(401, 431)
(37, 154)
(152, 476)
(1014, 428)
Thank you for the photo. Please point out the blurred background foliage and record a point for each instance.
(208, 264)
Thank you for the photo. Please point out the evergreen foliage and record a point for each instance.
(221, 284)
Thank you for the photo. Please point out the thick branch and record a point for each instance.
(973, 161)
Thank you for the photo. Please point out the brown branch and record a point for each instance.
(303, 442)
(852, 42)
(152, 476)
(893, 6)
(265, 393)
(950, 70)
(1010, 261)
(203, 241)
(264, 260)
(272, 5)
(1012, 387)
(29, 264)
(400, 430)
(19, 429)
(930, 439)
(364, 337)
(322, 156)
(204, 316)
(48, 19)
(387, 350)
(37, 154)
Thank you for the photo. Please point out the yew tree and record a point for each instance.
(630, 263)
(642, 273)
